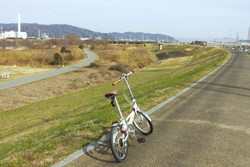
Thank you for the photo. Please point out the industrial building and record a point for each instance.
(229, 44)
(2, 35)
(14, 34)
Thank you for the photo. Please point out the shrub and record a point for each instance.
(81, 46)
(70, 57)
(95, 65)
(57, 58)
(92, 47)
(67, 51)
(63, 49)
(118, 67)
(122, 42)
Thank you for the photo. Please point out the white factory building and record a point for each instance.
(14, 34)
(2, 35)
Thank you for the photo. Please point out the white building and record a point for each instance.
(14, 34)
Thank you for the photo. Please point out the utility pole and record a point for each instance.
(237, 37)
(248, 38)
(230, 35)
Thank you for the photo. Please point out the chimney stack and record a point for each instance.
(19, 25)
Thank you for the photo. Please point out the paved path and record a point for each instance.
(207, 125)
(8, 84)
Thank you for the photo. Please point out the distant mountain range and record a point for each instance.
(62, 30)
(142, 36)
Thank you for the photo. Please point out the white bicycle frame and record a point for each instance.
(130, 119)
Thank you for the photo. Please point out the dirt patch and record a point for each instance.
(174, 54)
(25, 94)
(162, 56)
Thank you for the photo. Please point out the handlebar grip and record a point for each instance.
(115, 83)
(135, 70)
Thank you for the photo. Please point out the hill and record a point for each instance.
(55, 30)
(138, 36)
(62, 30)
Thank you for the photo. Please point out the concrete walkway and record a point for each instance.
(17, 82)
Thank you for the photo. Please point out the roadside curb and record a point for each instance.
(81, 152)
(92, 145)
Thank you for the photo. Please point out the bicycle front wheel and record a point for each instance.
(143, 124)
(118, 146)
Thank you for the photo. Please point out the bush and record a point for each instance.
(81, 46)
(57, 58)
(118, 67)
(68, 51)
(92, 47)
(95, 65)
(63, 49)
(70, 57)
(122, 42)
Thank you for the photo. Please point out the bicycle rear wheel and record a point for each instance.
(118, 146)
(143, 124)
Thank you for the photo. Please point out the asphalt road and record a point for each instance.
(8, 84)
(209, 125)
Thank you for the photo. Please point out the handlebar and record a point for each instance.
(115, 83)
(125, 75)
(135, 70)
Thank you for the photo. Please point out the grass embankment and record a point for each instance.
(41, 133)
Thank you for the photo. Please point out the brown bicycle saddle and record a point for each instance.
(109, 95)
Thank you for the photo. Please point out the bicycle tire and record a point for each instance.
(118, 147)
(143, 124)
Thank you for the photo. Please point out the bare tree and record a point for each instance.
(28, 43)
(105, 43)
(73, 39)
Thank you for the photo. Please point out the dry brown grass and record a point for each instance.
(56, 86)
(38, 57)
(126, 55)
(20, 72)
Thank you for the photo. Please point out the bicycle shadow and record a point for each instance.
(102, 152)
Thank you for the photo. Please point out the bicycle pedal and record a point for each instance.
(141, 140)
(114, 122)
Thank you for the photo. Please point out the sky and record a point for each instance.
(189, 19)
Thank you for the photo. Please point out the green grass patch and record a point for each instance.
(41, 133)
